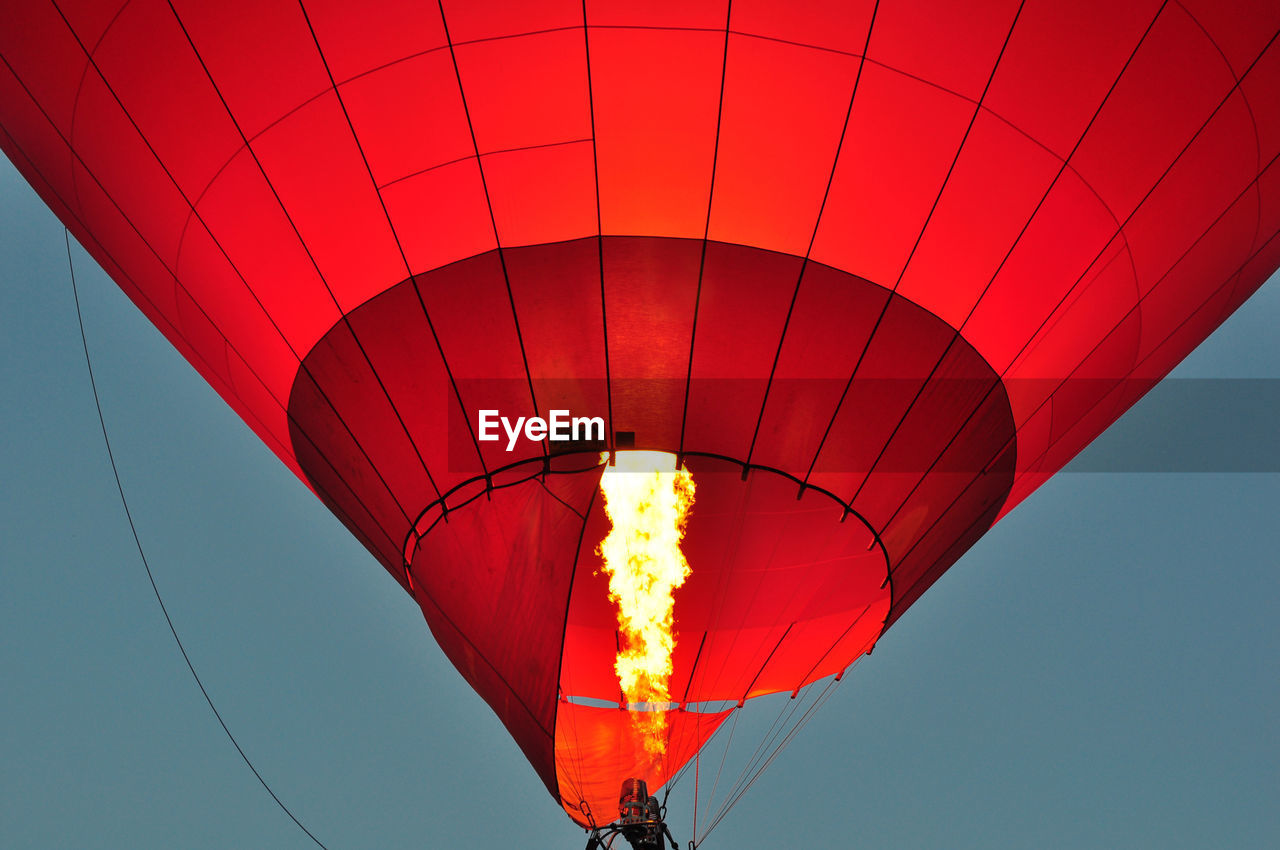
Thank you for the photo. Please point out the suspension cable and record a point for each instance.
(137, 542)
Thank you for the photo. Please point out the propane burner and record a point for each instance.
(641, 820)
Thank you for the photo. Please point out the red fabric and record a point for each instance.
(917, 281)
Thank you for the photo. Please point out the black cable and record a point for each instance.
(102, 423)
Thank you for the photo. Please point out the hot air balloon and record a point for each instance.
(870, 273)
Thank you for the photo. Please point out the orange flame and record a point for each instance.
(647, 499)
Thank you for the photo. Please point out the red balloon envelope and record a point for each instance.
(874, 270)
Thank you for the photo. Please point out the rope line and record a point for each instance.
(137, 542)
(737, 794)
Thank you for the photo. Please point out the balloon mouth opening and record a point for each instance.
(810, 484)
(389, 439)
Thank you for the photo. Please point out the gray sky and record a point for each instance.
(1099, 671)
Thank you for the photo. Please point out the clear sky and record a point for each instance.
(1099, 671)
